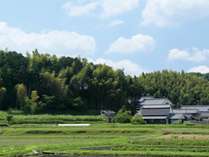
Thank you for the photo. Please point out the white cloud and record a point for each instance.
(116, 23)
(105, 8)
(57, 42)
(194, 55)
(136, 43)
(129, 67)
(200, 69)
(167, 12)
(177, 54)
(79, 9)
(117, 7)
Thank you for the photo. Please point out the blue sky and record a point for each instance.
(134, 35)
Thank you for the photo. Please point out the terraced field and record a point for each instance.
(39, 135)
(105, 139)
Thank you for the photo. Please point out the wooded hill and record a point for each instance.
(42, 83)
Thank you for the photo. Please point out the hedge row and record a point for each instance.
(53, 119)
(3, 119)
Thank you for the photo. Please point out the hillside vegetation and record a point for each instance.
(41, 83)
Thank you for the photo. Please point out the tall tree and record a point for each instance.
(21, 94)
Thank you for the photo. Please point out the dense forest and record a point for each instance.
(43, 83)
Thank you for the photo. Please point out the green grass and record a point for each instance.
(54, 119)
(102, 139)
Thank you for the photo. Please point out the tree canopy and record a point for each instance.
(43, 83)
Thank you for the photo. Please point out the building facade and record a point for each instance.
(195, 113)
(159, 110)
(154, 110)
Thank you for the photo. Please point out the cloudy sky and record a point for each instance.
(134, 35)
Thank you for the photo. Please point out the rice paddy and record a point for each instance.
(103, 139)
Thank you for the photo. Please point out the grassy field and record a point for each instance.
(102, 139)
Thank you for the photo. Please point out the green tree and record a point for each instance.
(21, 93)
(35, 102)
(2, 96)
(32, 103)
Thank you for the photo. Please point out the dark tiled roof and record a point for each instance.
(155, 112)
(204, 114)
(197, 107)
(156, 101)
(154, 117)
(156, 106)
(185, 111)
(145, 98)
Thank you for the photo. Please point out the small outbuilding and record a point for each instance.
(197, 112)
(177, 118)
(109, 114)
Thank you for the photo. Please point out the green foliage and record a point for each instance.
(137, 119)
(34, 96)
(31, 105)
(9, 117)
(2, 95)
(123, 116)
(54, 85)
(3, 119)
(28, 106)
(180, 88)
(54, 119)
(43, 83)
(21, 94)
(15, 112)
(13, 71)
(3, 115)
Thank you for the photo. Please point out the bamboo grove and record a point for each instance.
(42, 83)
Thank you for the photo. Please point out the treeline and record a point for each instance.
(42, 83)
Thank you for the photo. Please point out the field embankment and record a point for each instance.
(36, 136)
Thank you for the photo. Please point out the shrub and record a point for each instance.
(4, 124)
(137, 119)
(15, 112)
(3, 119)
(9, 118)
(123, 116)
(54, 119)
(3, 115)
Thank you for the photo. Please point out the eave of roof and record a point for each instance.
(156, 101)
(184, 111)
(156, 106)
(155, 117)
(200, 108)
